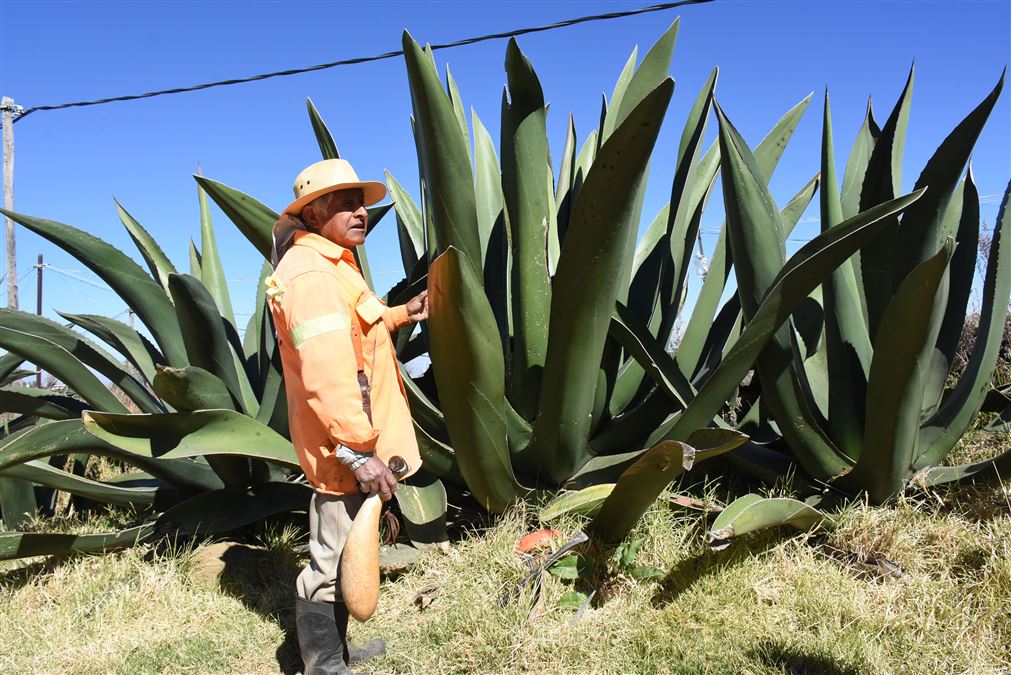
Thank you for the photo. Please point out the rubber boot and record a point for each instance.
(320, 642)
(354, 653)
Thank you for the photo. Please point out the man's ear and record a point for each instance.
(309, 216)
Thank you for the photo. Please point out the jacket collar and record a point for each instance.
(325, 247)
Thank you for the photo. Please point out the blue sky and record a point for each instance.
(256, 137)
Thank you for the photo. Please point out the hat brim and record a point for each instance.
(372, 192)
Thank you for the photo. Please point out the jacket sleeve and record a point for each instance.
(396, 318)
(319, 330)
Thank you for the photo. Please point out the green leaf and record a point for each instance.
(29, 544)
(629, 551)
(69, 436)
(881, 182)
(9, 364)
(920, 232)
(751, 512)
(159, 264)
(41, 473)
(796, 280)
(134, 347)
(758, 243)
(848, 346)
(572, 600)
(212, 274)
(528, 199)
(410, 227)
(327, 147)
(585, 502)
(940, 433)
(446, 166)
(191, 388)
(254, 220)
(194, 260)
(458, 109)
(572, 566)
(469, 375)
(142, 293)
(422, 500)
(654, 69)
(191, 434)
(991, 470)
(642, 483)
(488, 184)
(635, 338)
(965, 204)
(566, 174)
(87, 352)
(611, 115)
(53, 358)
(17, 502)
(599, 242)
(902, 350)
(856, 165)
(39, 402)
(209, 343)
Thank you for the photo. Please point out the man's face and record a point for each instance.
(339, 216)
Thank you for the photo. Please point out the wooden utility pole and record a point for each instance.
(8, 108)
(38, 310)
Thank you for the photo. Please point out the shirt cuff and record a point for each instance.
(396, 318)
(351, 458)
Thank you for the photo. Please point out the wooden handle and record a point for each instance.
(360, 559)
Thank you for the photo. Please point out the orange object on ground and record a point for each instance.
(317, 298)
(537, 539)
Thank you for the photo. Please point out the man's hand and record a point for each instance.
(375, 478)
(417, 307)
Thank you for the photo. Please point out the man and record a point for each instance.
(347, 408)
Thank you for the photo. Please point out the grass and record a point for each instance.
(919, 586)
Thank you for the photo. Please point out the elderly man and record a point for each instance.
(347, 408)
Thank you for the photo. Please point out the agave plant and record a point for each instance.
(548, 325)
(859, 392)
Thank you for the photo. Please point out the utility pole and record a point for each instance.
(8, 109)
(38, 310)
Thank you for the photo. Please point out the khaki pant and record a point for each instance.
(330, 518)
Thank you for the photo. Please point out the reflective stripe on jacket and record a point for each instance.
(317, 294)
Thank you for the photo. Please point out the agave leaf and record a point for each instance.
(921, 229)
(273, 399)
(191, 434)
(458, 109)
(767, 156)
(134, 347)
(751, 512)
(39, 402)
(423, 411)
(410, 226)
(584, 160)
(195, 261)
(881, 182)
(253, 338)
(794, 283)
(856, 164)
(422, 501)
(756, 236)
(642, 483)
(566, 172)
(41, 473)
(142, 293)
(989, 470)
(469, 374)
(191, 388)
(488, 184)
(156, 260)
(209, 343)
(965, 204)
(9, 364)
(53, 358)
(585, 502)
(654, 70)
(601, 232)
(940, 433)
(528, 200)
(848, 347)
(254, 220)
(324, 139)
(611, 113)
(895, 388)
(212, 274)
(439, 459)
(85, 351)
(69, 436)
(445, 162)
(29, 544)
(635, 338)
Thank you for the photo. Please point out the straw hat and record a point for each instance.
(328, 176)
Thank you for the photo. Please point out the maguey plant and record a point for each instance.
(549, 326)
(859, 389)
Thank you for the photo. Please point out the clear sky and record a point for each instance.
(256, 137)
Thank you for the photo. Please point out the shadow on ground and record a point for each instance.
(794, 661)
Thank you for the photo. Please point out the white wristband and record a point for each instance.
(351, 458)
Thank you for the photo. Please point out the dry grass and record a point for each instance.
(920, 586)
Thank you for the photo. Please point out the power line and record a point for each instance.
(21, 114)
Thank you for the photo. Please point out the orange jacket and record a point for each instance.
(316, 295)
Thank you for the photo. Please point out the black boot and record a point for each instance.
(319, 640)
(355, 653)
